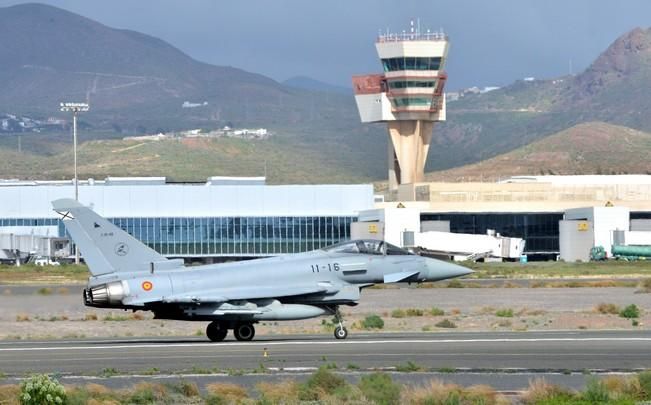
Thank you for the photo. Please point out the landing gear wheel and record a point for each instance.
(216, 332)
(244, 331)
(341, 332)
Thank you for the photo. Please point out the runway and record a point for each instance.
(544, 352)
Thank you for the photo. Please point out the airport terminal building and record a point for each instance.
(228, 217)
(231, 217)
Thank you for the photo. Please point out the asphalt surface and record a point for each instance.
(538, 352)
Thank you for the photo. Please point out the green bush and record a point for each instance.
(436, 311)
(630, 312)
(380, 388)
(373, 322)
(321, 383)
(504, 313)
(41, 389)
(596, 392)
(645, 383)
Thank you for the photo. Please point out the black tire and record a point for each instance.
(341, 333)
(244, 331)
(216, 332)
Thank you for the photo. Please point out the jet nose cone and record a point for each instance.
(440, 270)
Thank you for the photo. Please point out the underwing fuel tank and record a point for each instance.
(267, 310)
(285, 312)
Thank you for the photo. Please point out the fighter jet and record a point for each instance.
(127, 274)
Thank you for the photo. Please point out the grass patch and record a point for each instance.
(504, 313)
(434, 311)
(225, 393)
(409, 312)
(557, 269)
(109, 372)
(63, 274)
(455, 284)
(380, 388)
(44, 291)
(409, 367)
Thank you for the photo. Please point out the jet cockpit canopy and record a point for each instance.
(367, 247)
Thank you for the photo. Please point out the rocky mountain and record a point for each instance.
(613, 89)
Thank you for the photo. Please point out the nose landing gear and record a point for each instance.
(340, 331)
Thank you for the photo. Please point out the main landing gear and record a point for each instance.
(217, 331)
(340, 331)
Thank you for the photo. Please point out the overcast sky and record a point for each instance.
(493, 42)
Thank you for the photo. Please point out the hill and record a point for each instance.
(589, 148)
(188, 159)
(134, 82)
(612, 89)
(307, 83)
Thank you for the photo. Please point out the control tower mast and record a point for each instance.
(408, 96)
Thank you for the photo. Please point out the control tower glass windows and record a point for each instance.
(411, 63)
(412, 101)
(403, 84)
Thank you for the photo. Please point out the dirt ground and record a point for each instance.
(60, 313)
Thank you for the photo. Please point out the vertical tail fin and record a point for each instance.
(105, 247)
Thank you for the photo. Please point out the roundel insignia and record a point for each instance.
(147, 285)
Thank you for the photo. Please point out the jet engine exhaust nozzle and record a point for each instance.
(104, 295)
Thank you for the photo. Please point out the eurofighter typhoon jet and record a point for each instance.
(127, 274)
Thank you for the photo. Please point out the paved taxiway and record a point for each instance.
(532, 351)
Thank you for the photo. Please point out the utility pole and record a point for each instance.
(75, 108)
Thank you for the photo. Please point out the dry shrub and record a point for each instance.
(97, 389)
(146, 392)
(437, 392)
(137, 316)
(602, 283)
(536, 312)
(455, 311)
(509, 284)
(486, 310)
(540, 390)
(622, 386)
(91, 316)
(227, 391)
(607, 308)
(9, 394)
(482, 394)
(94, 401)
(278, 392)
(22, 318)
(645, 285)
(188, 389)
(63, 291)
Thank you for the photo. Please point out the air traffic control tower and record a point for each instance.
(408, 96)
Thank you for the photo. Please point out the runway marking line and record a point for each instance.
(324, 343)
